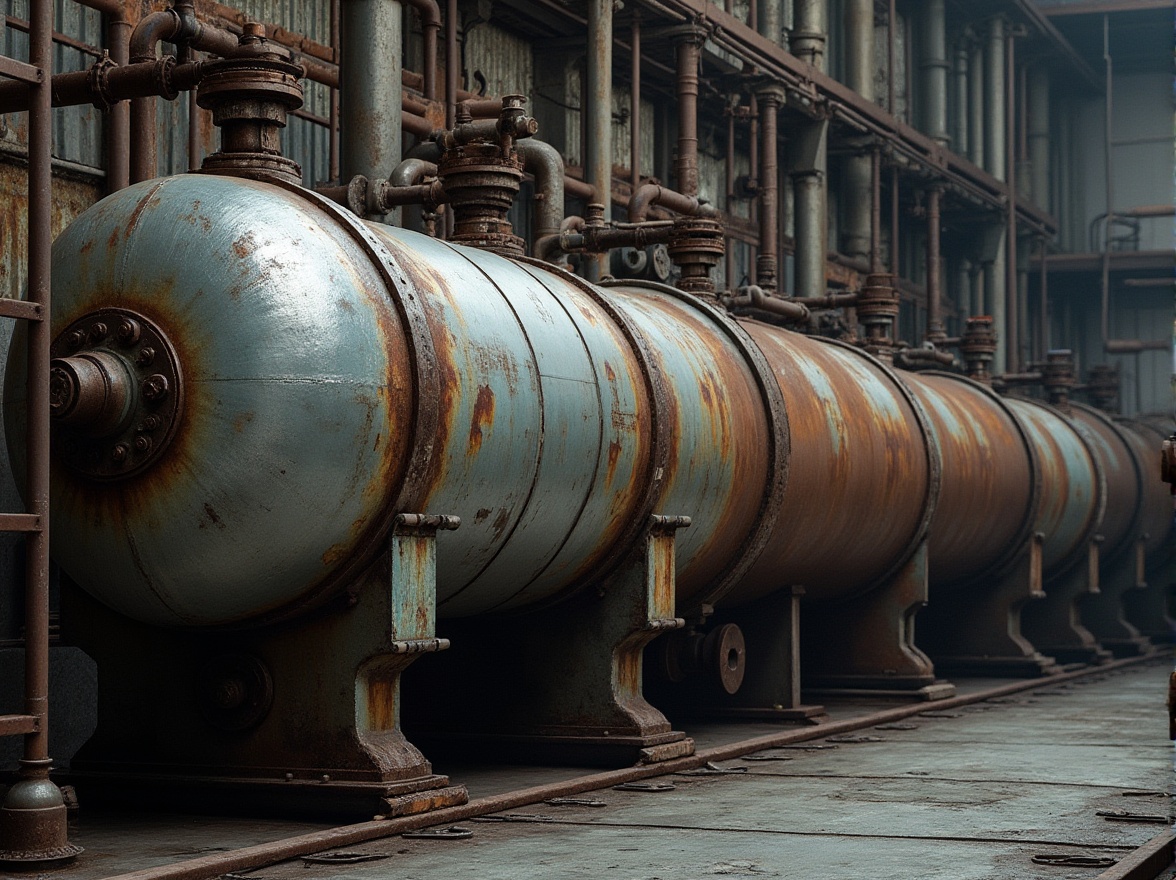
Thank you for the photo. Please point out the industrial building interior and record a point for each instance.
(621, 365)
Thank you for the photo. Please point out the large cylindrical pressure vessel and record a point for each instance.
(1113, 448)
(1155, 515)
(335, 373)
(864, 473)
(1073, 486)
(990, 484)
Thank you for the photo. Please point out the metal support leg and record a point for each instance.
(298, 717)
(565, 683)
(977, 631)
(1054, 623)
(867, 644)
(1102, 613)
(1149, 610)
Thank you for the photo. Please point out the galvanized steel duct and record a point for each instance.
(371, 88)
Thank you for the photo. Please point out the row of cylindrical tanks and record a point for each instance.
(252, 388)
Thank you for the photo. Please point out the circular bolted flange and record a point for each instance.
(116, 393)
(235, 692)
(725, 652)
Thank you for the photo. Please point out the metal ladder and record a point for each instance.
(33, 815)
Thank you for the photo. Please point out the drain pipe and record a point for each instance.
(596, 118)
(770, 98)
(934, 69)
(1038, 136)
(859, 76)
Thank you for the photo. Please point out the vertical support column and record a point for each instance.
(935, 332)
(1054, 624)
(977, 127)
(370, 82)
(1012, 286)
(1038, 135)
(810, 27)
(32, 814)
(808, 156)
(960, 74)
(933, 65)
(857, 179)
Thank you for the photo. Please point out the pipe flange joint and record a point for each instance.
(98, 77)
(116, 394)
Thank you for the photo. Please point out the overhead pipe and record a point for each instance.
(180, 26)
(372, 90)
(857, 179)
(934, 69)
(771, 97)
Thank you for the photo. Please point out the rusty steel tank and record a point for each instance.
(249, 383)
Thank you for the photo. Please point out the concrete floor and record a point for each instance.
(973, 795)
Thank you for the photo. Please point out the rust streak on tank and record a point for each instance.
(483, 417)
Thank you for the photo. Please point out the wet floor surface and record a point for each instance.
(973, 792)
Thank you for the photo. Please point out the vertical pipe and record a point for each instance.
(808, 157)
(891, 56)
(1038, 136)
(35, 762)
(333, 129)
(1108, 109)
(729, 197)
(934, 292)
(195, 148)
(1012, 288)
(1043, 302)
(452, 62)
(769, 20)
(995, 110)
(688, 60)
(894, 220)
(959, 135)
(770, 99)
(934, 69)
(976, 285)
(809, 29)
(753, 162)
(977, 129)
(370, 79)
(875, 211)
(858, 176)
(596, 123)
(635, 104)
(118, 130)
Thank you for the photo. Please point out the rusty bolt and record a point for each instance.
(142, 443)
(146, 356)
(99, 331)
(76, 339)
(228, 693)
(119, 453)
(155, 387)
(128, 331)
(151, 423)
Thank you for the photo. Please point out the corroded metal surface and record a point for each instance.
(864, 474)
(1113, 448)
(990, 485)
(1156, 519)
(1073, 488)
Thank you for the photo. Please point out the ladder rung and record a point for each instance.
(15, 725)
(13, 69)
(20, 308)
(19, 522)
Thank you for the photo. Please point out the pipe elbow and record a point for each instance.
(429, 11)
(411, 172)
(152, 30)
